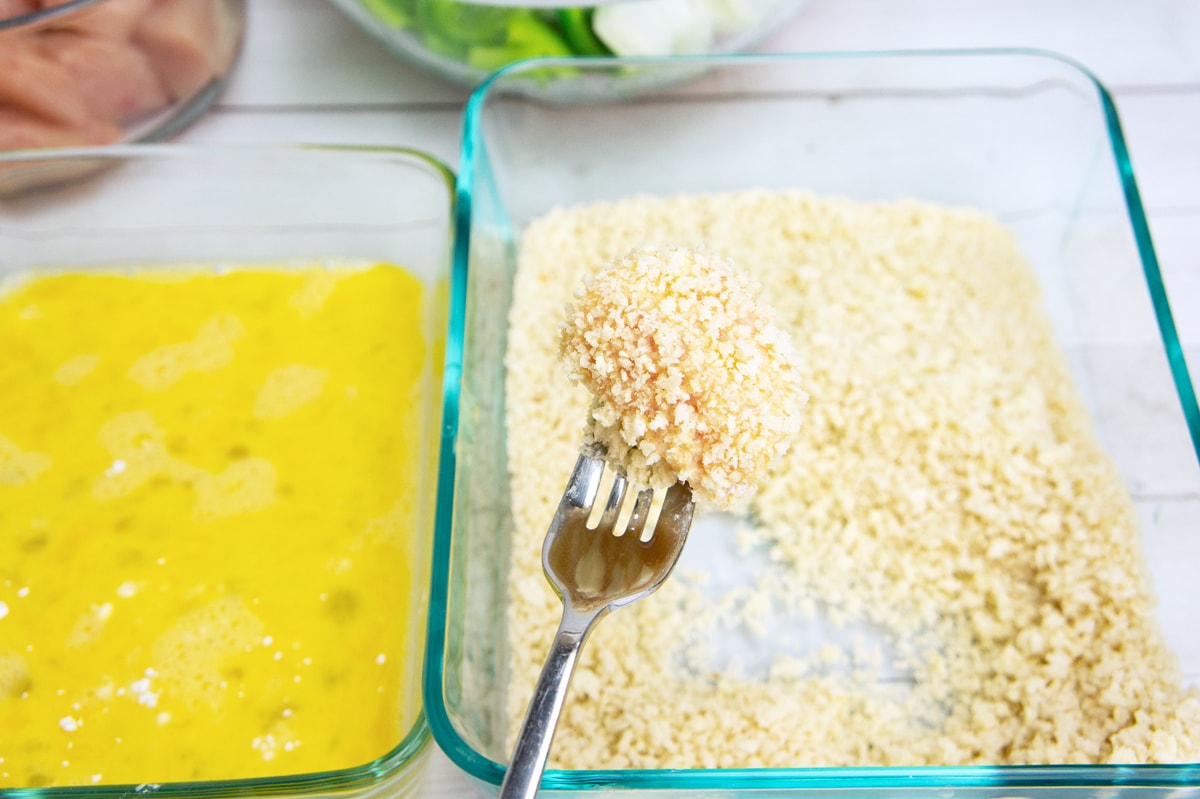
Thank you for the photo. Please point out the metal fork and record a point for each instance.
(594, 571)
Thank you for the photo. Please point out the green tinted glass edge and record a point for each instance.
(1154, 279)
(394, 762)
(947, 777)
(442, 728)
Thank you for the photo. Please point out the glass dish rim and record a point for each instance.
(418, 738)
(489, 771)
(134, 151)
(41, 15)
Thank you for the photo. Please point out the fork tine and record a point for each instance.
(673, 523)
(641, 512)
(678, 506)
(616, 496)
(584, 483)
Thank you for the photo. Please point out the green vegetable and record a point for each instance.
(396, 13)
(529, 36)
(576, 24)
(469, 23)
(526, 36)
(489, 59)
(488, 37)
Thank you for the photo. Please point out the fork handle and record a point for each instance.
(528, 761)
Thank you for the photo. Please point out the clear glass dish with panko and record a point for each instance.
(217, 458)
(970, 575)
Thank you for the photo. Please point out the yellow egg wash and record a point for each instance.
(207, 498)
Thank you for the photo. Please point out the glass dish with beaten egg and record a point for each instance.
(217, 445)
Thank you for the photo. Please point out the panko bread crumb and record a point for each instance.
(691, 380)
(946, 488)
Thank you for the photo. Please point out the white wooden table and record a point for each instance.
(309, 75)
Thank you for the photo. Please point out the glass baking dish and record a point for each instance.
(259, 210)
(1027, 136)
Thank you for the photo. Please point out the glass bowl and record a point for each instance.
(170, 217)
(77, 73)
(465, 42)
(1029, 137)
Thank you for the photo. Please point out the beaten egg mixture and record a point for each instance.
(206, 509)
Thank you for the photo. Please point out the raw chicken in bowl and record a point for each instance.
(88, 72)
